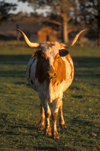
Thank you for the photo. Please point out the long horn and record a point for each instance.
(71, 43)
(27, 40)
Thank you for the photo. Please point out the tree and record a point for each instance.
(65, 8)
(5, 9)
(90, 11)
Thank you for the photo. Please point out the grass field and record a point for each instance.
(19, 105)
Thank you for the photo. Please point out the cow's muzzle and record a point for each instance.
(51, 75)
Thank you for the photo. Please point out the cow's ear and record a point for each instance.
(63, 52)
(37, 53)
(33, 53)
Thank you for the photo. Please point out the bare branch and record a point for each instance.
(69, 18)
(55, 22)
(71, 30)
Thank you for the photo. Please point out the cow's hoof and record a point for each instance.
(55, 135)
(41, 127)
(48, 131)
(63, 126)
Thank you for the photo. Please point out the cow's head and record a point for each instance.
(50, 63)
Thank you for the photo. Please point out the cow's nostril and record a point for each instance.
(55, 75)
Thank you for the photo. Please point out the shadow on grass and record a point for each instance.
(20, 83)
(78, 96)
(23, 58)
(86, 59)
(14, 73)
(49, 148)
(82, 122)
(52, 149)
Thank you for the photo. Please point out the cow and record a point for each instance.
(50, 72)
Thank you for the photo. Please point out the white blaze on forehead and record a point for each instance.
(51, 49)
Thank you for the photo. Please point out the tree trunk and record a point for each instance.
(99, 26)
(64, 30)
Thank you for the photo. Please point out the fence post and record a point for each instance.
(17, 27)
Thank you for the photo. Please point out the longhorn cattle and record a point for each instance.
(50, 72)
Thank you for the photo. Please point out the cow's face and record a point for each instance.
(50, 65)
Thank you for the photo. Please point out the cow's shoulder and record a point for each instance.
(60, 68)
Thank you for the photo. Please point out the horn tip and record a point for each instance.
(19, 30)
(84, 30)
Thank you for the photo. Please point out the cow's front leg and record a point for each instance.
(42, 122)
(47, 114)
(62, 122)
(56, 106)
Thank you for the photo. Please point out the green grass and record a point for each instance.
(86, 51)
(19, 108)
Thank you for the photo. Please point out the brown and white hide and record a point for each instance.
(50, 72)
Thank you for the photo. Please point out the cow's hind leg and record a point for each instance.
(62, 122)
(56, 106)
(42, 122)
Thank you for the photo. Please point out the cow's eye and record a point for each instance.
(42, 57)
(58, 57)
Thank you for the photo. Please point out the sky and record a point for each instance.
(21, 6)
(25, 8)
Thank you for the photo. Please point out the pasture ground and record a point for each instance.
(19, 105)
